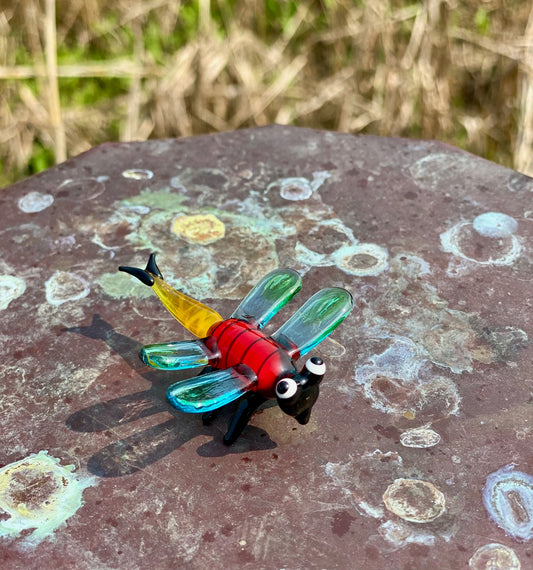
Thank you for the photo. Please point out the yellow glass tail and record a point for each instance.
(196, 317)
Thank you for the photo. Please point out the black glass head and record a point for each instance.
(297, 395)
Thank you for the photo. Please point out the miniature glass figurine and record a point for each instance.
(247, 363)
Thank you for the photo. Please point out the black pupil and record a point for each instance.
(283, 387)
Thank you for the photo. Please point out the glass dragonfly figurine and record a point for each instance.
(246, 363)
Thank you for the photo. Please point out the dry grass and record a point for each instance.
(455, 70)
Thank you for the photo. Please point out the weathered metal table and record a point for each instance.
(419, 450)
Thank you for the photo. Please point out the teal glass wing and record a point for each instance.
(181, 355)
(211, 391)
(314, 321)
(270, 295)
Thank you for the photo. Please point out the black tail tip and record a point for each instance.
(142, 275)
(151, 266)
(146, 275)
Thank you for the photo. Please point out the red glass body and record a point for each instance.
(239, 342)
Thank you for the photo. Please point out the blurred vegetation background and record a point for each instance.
(75, 73)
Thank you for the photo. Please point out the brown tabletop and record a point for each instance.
(418, 453)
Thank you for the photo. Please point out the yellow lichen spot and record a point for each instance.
(202, 229)
(37, 496)
(23, 510)
(494, 556)
(409, 415)
(414, 500)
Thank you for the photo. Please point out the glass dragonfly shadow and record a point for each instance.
(246, 363)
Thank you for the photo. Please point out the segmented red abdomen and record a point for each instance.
(240, 342)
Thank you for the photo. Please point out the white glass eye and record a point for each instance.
(286, 388)
(316, 366)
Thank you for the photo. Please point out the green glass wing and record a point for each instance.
(180, 355)
(314, 321)
(211, 391)
(270, 295)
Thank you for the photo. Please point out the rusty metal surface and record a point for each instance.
(419, 450)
